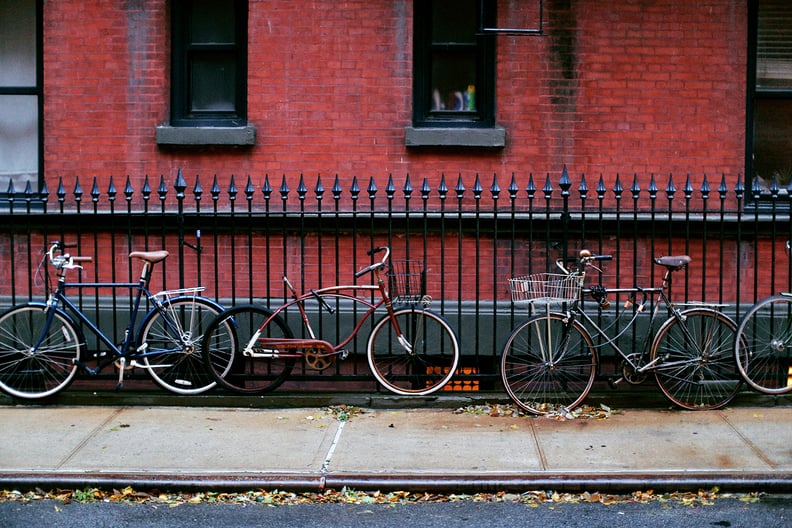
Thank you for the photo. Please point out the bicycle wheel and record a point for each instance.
(226, 339)
(427, 367)
(764, 345)
(548, 364)
(173, 344)
(694, 355)
(31, 373)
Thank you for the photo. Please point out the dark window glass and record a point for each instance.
(454, 77)
(209, 83)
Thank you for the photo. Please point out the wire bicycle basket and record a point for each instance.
(407, 281)
(545, 288)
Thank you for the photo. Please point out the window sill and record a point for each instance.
(234, 136)
(494, 137)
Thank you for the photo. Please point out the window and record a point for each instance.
(20, 95)
(208, 73)
(454, 75)
(770, 95)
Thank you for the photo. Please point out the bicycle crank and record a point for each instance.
(629, 372)
(316, 359)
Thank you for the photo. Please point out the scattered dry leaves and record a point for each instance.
(349, 496)
(498, 410)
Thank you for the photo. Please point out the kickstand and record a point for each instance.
(121, 367)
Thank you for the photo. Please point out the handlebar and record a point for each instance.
(64, 260)
(585, 258)
(376, 265)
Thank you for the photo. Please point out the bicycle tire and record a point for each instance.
(548, 364)
(764, 345)
(49, 369)
(172, 336)
(432, 362)
(694, 359)
(225, 340)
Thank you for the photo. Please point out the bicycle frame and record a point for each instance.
(661, 300)
(273, 347)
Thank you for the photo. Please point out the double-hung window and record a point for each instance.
(20, 95)
(453, 75)
(769, 149)
(208, 73)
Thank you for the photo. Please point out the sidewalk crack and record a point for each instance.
(329, 457)
(754, 448)
(88, 437)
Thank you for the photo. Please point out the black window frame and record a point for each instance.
(484, 115)
(37, 90)
(758, 190)
(182, 49)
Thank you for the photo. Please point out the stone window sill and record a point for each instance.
(494, 137)
(232, 136)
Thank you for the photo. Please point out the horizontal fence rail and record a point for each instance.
(239, 236)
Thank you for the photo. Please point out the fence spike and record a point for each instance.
(95, 191)
(336, 189)
(266, 189)
(565, 183)
(232, 189)
(163, 189)
(302, 190)
(531, 187)
(601, 189)
(319, 189)
(390, 189)
(477, 188)
(495, 188)
(425, 189)
(583, 187)
(442, 190)
(636, 188)
(197, 189)
(250, 189)
(548, 188)
(705, 188)
(688, 189)
(284, 189)
(617, 187)
(670, 189)
(215, 189)
(723, 190)
(372, 188)
(146, 189)
(513, 189)
(355, 189)
(111, 190)
(460, 188)
(180, 184)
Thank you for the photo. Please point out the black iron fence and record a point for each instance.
(237, 236)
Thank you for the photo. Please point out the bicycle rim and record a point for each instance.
(764, 345)
(228, 336)
(696, 368)
(32, 374)
(427, 367)
(173, 345)
(548, 364)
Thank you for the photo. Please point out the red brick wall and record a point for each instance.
(632, 87)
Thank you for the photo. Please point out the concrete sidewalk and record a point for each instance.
(309, 449)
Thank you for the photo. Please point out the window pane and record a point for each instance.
(774, 45)
(18, 141)
(213, 83)
(773, 141)
(453, 82)
(212, 22)
(18, 43)
(454, 21)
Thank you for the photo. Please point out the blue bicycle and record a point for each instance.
(42, 344)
